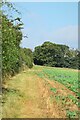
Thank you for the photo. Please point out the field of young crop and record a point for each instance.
(67, 77)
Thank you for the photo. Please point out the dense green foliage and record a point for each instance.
(26, 57)
(51, 54)
(10, 47)
(13, 57)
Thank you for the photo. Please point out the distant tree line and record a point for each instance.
(56, 55)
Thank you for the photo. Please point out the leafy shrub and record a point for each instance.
(10, 47)
(71, 114)
(13, 57)
(26, 57)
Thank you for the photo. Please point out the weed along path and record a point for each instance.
(31, 94)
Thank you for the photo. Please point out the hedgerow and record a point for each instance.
(10, 47)
(11, 52)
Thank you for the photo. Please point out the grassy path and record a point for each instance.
(24, 99)
(29, 96)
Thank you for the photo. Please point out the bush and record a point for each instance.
(26, 57)
(10, 47)
(13, 57)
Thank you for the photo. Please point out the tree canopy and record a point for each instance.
(56, 55)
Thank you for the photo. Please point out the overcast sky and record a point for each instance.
(49, 21)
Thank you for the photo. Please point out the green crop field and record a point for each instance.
(68, 77)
